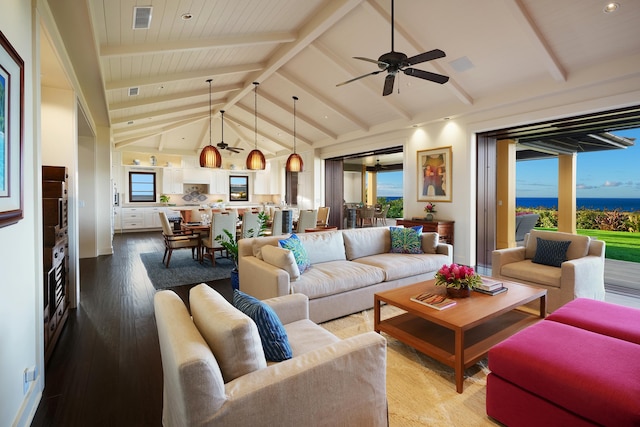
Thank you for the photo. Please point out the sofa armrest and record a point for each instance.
(445, 249)
(261, 279)
(583, 278)
(290, 308)
(342, 383)
(501, 257)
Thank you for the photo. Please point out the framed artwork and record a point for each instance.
(238, 188)
(11, 123)
(434, 175)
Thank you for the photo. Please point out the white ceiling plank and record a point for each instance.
(160, 113)
(146, 102)
(199, 44)
(167, 125)
(539, 44)
(274, 140)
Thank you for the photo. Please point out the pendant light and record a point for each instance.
(294, 162)
(210, 156)
(255, 159)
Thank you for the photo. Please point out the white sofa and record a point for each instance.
(581, 276)
(215, 372)
(347, 268)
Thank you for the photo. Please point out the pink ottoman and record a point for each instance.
(554, 374)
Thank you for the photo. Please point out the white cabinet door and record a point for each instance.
(219, 183)
(262, 181)
(172, 179)
(132, 218)
(196, 176)
(151, 217)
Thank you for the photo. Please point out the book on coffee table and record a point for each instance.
(437, 301)
(496, 291)
(489, 284)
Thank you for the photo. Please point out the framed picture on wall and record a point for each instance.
(434, 175)
(238, 188)
(11, 123)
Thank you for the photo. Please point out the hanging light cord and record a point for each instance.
(255, 118)
(295, 98)
(209, 81)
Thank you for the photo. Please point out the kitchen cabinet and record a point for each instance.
(172, 180)
(142, 218)
(219, 183)
(151, 217)
(196, 176)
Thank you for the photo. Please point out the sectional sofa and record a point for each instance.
(347, 268)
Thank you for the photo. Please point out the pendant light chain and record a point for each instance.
(255, 159)
(295, 99)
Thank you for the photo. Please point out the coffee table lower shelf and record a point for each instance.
(439, 342)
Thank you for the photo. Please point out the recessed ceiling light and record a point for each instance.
(186, 16)
(611, 7)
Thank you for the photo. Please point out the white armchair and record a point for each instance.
(215, 371)
(580, 276)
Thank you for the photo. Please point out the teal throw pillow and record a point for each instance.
(551, 252)
(406, 240)
(272, 333)
(299, 252)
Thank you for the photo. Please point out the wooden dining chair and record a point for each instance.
(174, 239)
(323, 216)
(307, 219)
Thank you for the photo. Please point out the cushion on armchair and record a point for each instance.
(551, 252)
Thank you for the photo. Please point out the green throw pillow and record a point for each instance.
(273, 336)
(299, 252)
(551, 252)
(406, 240)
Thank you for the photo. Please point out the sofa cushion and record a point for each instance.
(551, 252)
(398, 266)
(232, 336)
(324, 247)
(306, 336)
(281, 258)
(601, 317)
(335, 277)
(578, 248)
(366, 241)
(430, 243)
(299, 252)
(527, 271)
(406, 240)
(272, 333)
(589, 374)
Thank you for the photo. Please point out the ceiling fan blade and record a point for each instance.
(375, 61)
(360, 77)
(388, 84)
(426, 56)
(437, 78)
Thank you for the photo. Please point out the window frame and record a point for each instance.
(137, 198)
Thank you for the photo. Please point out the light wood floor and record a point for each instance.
(106, 368)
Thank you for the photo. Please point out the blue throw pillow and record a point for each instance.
(406, 240)
(551, 252)
(299, 252)
(272, 333)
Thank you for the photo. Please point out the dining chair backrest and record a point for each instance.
(167, 230)
(250, 224)
(276, 224)
(221, 222)
(323, 215)
(282, 222)
(307, 219)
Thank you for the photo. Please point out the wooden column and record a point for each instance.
(506, 194)
(567, 193)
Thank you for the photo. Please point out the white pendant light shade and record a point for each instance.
(255, 159)
(294, 162)
(210, 156)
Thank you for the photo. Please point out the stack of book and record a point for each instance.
(490, 287)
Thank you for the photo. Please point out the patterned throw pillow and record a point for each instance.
(406, 240)
(551, 252)
(272, 333)
(299, 252)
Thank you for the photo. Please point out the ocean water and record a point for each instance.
(594, 203)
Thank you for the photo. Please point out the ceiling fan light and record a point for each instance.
(294, 163)
(210, 157)
(256, 160)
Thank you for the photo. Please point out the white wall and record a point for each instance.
(21, 327)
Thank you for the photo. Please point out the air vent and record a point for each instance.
(142, 17)
(133, 91)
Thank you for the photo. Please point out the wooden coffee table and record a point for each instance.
(461, 335)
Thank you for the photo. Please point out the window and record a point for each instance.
(142, 186)
(238, 188)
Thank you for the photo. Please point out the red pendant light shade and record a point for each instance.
(210, 156)
(294, 162)
(255, 159)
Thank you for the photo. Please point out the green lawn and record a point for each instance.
(621, 245)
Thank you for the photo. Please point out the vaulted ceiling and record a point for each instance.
(498, 52)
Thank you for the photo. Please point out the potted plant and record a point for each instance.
(230, 244)
(458, 279)
(164, 199)
(430, 209)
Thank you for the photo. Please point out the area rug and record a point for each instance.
(420, 390)
(183, 269)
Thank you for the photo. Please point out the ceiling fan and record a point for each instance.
(378, 166)
(223, 145)
(393, 61)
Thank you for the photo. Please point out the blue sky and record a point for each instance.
(613, 173)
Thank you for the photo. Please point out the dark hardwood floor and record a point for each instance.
(106, 368)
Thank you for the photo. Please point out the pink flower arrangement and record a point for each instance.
(431, 207)
(457, 276)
